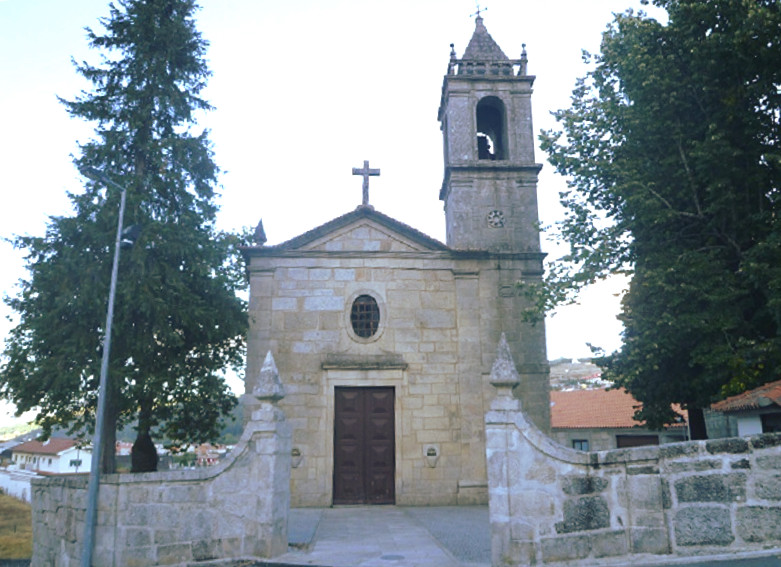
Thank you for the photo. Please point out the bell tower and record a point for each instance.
(490, 183)
(490, 195)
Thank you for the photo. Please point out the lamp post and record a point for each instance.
(94, 478)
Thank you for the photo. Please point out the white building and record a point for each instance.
(54, 456)
(756, 411)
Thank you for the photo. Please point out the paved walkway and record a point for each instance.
(389, 536)
(447, 536)
(393, 536)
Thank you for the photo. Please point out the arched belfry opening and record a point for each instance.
(491, 138)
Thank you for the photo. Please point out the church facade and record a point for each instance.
(384, 337)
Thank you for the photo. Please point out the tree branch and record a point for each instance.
(690, 177)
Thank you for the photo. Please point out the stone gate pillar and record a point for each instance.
(271, 442)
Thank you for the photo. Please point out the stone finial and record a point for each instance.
(260, 235)
(522, 70)
(451, 65)
(504, 377)
(269, 388)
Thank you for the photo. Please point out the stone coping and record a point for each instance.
(596, 459)
(186, 475)
(399, 255)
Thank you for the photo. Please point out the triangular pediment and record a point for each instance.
(364, 236)
(362, 230)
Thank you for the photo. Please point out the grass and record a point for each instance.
(16, 528)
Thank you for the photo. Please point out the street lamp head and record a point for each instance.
(97, 175)
(129, 236)
(92, 173)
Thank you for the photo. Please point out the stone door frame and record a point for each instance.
(334, 378)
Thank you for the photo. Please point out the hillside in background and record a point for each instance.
(575, 374)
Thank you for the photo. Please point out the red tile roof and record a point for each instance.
(53, 446)
(594, 409)
(762, 397)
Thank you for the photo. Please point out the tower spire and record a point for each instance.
(482, 46)
(485, 113)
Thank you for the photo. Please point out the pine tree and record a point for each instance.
(178, 323)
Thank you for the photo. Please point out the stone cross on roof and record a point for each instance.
(365, 172)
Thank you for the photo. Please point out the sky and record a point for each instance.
(303, 91)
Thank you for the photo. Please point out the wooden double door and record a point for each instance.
(364, 446)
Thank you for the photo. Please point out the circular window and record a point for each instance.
(365, 316)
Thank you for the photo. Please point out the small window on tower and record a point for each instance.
(365, 316)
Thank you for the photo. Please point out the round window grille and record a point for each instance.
(365, 316)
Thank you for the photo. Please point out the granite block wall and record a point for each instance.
(235, 510)
(550, 504)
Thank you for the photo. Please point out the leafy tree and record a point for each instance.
(178, 322)
(671, 148)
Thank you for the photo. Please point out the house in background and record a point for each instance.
(756, 411)
(600, 419)
(54, 456)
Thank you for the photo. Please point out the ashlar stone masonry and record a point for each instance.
(386, 335)
(236, 510)
(553, 505)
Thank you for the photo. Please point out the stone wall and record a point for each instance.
(235, 510)
(551, 504)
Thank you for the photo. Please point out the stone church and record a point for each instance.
(384, 337)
